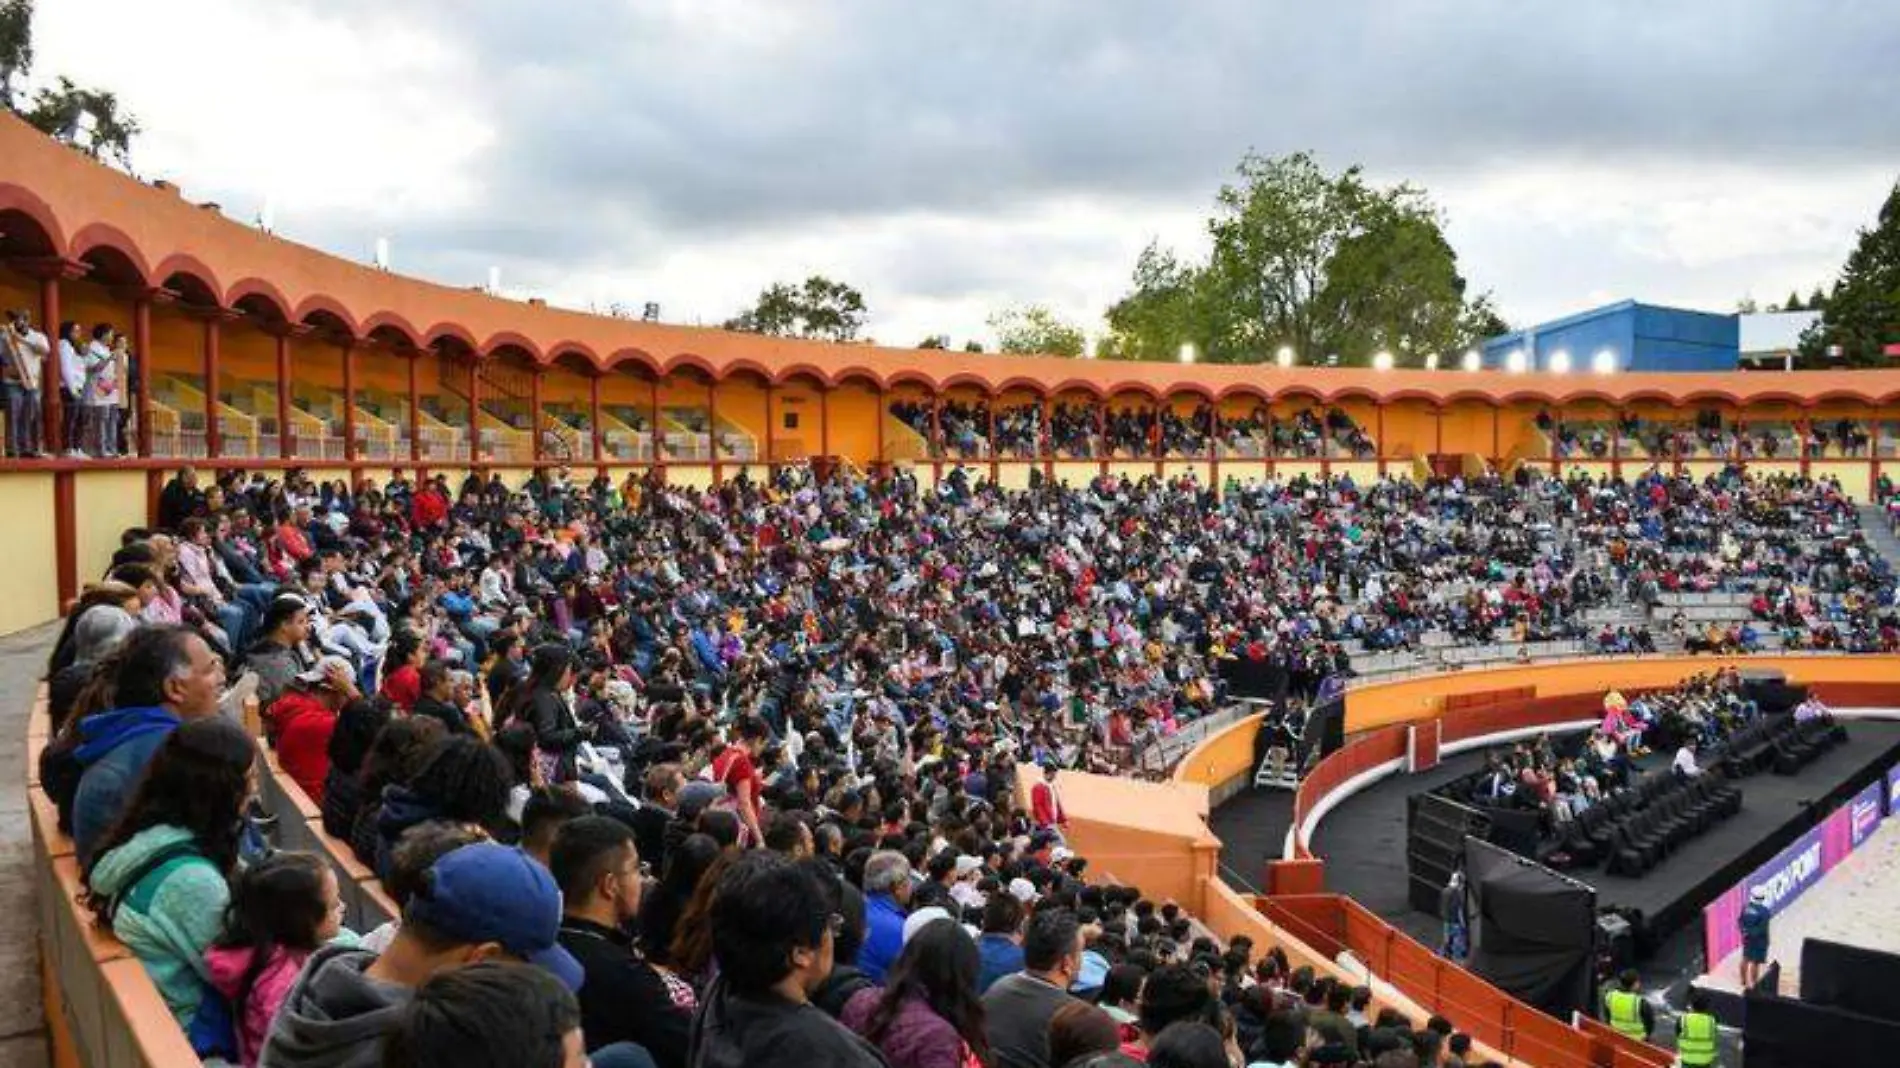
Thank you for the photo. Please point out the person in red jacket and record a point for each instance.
(430, 507)
(299, 724)
(1045, 801)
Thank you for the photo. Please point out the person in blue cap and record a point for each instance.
(481, 902)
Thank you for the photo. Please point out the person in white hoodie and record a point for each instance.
(101, 394)
(72, 386)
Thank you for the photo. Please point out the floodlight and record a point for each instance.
(1472, 360)
(382, 254)
(1516, 362)
(494, 280)
(1187, 352)
(1604, 362)
(1431, 361)
(1382, 360)
(1284, 357)
(1560, 362)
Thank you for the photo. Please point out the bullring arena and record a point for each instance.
(257, 355)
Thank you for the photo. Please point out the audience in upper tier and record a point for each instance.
(748, 776)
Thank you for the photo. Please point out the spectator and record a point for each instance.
(1189, 1044)
(773, 932)
(72, 387)
(104, 386)
(686, 867)
(1082, 1036)
(928, 1015)
(409, 866)
(624, 998)
(1045, 801)
(158, 882)
(887, 890)
(103, 617)
(402, 672)
(280, 653)
(394, 758)
(461, 779)
(1331, 1023)
(540, 702)
(546, 811)
(437, 691)
(180, 499)
(1000, 946)
(299, 724)
(663, 782)
(480, 903)
(21, 366)
(159, 677)
(351, 739)
(1019, 1006)
(281, 910)
(846, 979)
(735, 769)
(488, 1016)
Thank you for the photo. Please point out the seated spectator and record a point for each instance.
(158, 882)
(624, 998)
(1082, 1036)
(158, 678)
(409, 866)
(488, 1016)
(1018, 1007)
(281, 910)
(928, 1015)
(402, 671)
(846, 979)
(887, 890)
(280, 653)
(548, 809)
(105, 614)
(462, 779)
(483, 902)
(1000, 946)
(773, 932)
(351, 739)
(300, 723)
(396, 757)
(436, 698)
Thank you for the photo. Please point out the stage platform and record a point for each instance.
(1363, 840)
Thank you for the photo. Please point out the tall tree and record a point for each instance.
(1328, 264)
(16, 46)
(1035, 330)
(819, 308)
(935, 341)
(1793, 303)
(1862, 312)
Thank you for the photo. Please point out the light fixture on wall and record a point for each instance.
(1382, 360)
(1560, 362)
(1284, 357)
(1517, 362)
(1604, 362)
(1431, 361)
(1187, 352)
(382, 254)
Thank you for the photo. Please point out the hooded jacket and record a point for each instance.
(402, 809)
(169, 917)
(733, 1031)
(114, 748)
(268, 990)
(334, 1016)
(299, 726)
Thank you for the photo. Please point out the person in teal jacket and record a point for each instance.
(160, 881)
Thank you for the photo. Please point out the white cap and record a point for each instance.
(325, 666)
(1061, 854)
(1022, 890)
(922, 918)
(967, 864)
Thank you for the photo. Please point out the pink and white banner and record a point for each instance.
(1795, 869)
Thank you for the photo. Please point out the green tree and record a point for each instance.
(1862, 312)
(935, 341)
(819, 308)
(1817, 300)
(16, 46)
(1324, 263)
(1793, 303)
(973, 346)
(1035, 330)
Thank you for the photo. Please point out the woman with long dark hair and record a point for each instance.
(350, 743)
(928, 1015)
(540, 701)
(686, 865)
(463, 780)
(158, 880)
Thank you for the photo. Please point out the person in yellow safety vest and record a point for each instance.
(1695, 1033)
(1625, 1010)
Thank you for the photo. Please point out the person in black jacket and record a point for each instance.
(541, 702)
(437, 686)
(625, 998)
(180, 499)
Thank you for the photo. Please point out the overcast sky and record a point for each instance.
(951, 159)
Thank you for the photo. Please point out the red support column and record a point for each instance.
(1807, 426)
(51, 272)
(214, 434)
(598, 444)
(1616, 443)
(286, 441)
(656, 456)
(1046, 441)
(415, 405)
(142, 352)
(474, 412)
(1161, 442)
(1497, 437)
(349, 401)
(996, 463)
(1378, 443)
(883, 413)
(771, 452)
(824, 424)
(1556, 435)
(1212, 427)
(1101, 434)
(534, 414)
(65, 538)
(1438, 435)
(1269, 447)
(712, 423)
(936, 435)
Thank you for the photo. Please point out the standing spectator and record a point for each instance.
(159, 879)
(161, 677)
(488, 1016)
(1019, 1006)
(180, 499)
(102, 393)
(625, 999)
(773, 929)
(1754, 922)
(928, 1015)
(1045, 801)
(23, 363)
(72, 387)
(887, 890)
(281, 910)
(736, 769)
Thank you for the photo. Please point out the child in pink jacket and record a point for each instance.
(281, 911)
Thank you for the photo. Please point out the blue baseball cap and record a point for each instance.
(487, 892)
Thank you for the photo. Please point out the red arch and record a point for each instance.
(102, 235)
(637, 357)
(28, 203)
(507, 338)
(191, 266)
(389, 320)
(575, 348)
(318, 302)
(258, 287)
(856, 373)
(452, 331)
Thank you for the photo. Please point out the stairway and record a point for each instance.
(1873, 523)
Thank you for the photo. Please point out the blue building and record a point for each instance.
(1623, 337)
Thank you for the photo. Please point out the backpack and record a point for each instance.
(213, 1028)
